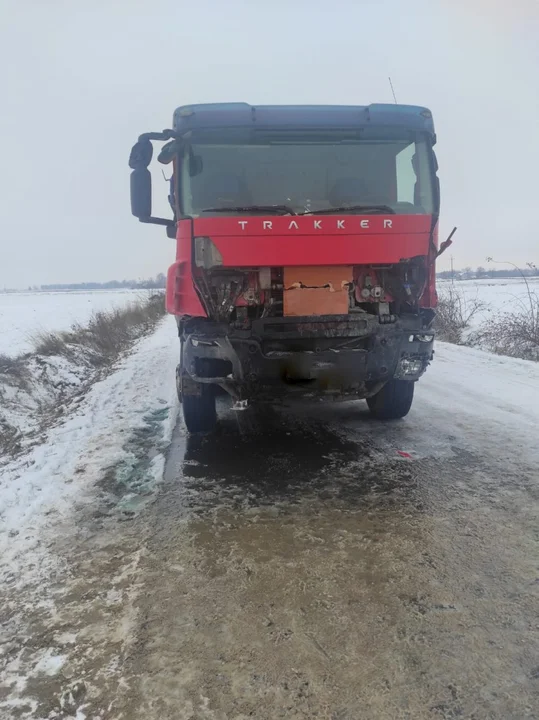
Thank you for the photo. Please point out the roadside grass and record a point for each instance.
(12, 366)
(454, 316)
(514, 333)
(37, 387)
(106, 335)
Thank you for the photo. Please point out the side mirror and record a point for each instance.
(141, 179)
(141, 192)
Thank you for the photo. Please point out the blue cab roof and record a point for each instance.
(217, 115)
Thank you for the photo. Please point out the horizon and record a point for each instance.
(508, 272)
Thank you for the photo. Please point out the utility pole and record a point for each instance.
(452, 272)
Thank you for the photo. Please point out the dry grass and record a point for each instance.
(13, 367)
(454, 316)
(49, 343)
(515, 335)
(107, 334)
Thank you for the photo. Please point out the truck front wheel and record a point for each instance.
(393, 401)
(198, 407)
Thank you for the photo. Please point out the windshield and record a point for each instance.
(223, 170)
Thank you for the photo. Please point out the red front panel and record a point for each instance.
(287, 241)
(316, 240)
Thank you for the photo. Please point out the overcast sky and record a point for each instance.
(80, 80)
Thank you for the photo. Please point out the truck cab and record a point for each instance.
(306, 240)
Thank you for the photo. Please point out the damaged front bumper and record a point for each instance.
(345, 356)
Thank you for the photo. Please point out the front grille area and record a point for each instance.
(315, 345)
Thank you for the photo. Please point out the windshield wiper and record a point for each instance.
(367, 209)
(271, 209)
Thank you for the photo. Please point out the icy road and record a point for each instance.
(301, 563)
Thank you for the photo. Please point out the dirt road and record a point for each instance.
(307, 563)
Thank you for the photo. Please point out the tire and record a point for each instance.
(179, 382)
(199, 411)
(393, 401)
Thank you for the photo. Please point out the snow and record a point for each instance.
(498, 295)
(50, 664)
(497, 391)
(22, 315)
(40, 489)
(46, 376)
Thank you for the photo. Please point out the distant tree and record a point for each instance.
(531, 270)
(157, 282)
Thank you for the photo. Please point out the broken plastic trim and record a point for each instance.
(207, 255)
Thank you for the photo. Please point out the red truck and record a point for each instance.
(306, 240)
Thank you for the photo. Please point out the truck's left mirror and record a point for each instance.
(141, 192)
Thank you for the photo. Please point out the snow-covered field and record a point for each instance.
(499, 295)
(23, 314)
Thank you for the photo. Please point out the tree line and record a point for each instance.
(157, 282)
(481, 273)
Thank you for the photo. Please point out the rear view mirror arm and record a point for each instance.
(164, 135)
(157, 221)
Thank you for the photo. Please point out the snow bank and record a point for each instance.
(39, 490)
(35, 393)
(37, 388)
